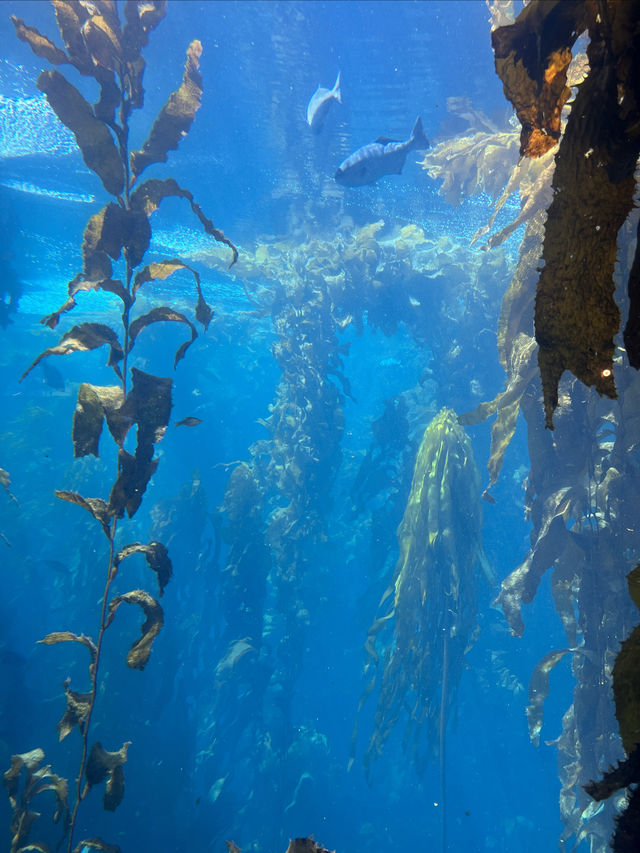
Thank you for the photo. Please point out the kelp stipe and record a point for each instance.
(98, 45)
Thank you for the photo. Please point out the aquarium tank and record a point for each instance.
(320, 426)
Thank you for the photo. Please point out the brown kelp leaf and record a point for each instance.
(532, 56)
(189, 421)
(103, 42)
(623, 775)
(94, 402)
(21, 826)
(57, 784)
(96, 844)
(38, 43)
(98, 149)
(102, 765)
(632, 329)
(30, 761)
(148, 404)
(626, 685)
(68, 636)
(82, 282)
(157, 558)
(138, 655)
(102, 236)
(305, 845)
(70, 16)
(539, 690)
(149, 195)
(96, 506)
(110, 96)
(112, 229)
(87, 422)
(78, 707)
(82, 338)
(162, 270)
(134, 473)
(158, 315)
(175, 118)
(576, 316)
(36, 780)
(140, 18)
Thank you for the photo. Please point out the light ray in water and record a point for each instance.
(61, 195)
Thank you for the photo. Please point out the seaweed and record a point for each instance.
(583, 481)
(428, 612)
(576, 316)
(101, 46)
(626, 691)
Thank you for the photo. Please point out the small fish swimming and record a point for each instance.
(189, 421)
(379, 158)
(318, 106)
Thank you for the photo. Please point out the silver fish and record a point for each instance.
(318, 106)
(379, 158)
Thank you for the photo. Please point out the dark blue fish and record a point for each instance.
(52, 376)
(379, 158)
(319, 104)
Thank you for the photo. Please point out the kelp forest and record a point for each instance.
(303, 445)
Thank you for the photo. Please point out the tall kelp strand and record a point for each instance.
(582, 487)
(99, 46)
(576, 316)
(430, 605)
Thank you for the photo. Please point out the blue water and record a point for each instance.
(261, 756)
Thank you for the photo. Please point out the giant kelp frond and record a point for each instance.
(98, 45)
(467, 165)
(25, 780)
(576, 317)
(430, 606)
(626, 691)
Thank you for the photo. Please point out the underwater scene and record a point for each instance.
(320, 425)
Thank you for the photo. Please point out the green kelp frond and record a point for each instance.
(468, 165)
(430, 605)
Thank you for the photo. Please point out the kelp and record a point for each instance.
(580, 491)
(429, 610)
(625, 775)
(532, 55)
(99, 46)
(582, 482)
(626, 692)
(472, 164)
(107, 766)
(24, 780)
(306, 845)
(576, 316)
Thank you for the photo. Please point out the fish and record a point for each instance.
(52, 376)
(379, 158)
(189, 421)
(319, 104)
